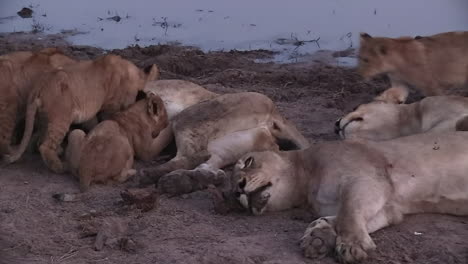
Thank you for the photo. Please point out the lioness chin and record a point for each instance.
(358, 187)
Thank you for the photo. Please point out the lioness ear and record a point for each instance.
(365, 36)
(141, 95)
(394, 95)
(152, 72)
(248, 162)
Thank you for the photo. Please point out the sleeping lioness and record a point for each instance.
(75, 94)
(107, 152)
(358, 187)
(384, 119)
(215, 133)
(431, 64)
(18, 73)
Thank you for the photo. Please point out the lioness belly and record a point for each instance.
(429, 172)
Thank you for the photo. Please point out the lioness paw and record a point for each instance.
(319, 239)
(147, 177)
(186, 181)
(176, 183)
(352, 251)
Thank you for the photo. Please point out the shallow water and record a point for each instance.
(289, 26)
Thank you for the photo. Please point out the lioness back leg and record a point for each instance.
(149, 176)
(223, 151)
(57, 127)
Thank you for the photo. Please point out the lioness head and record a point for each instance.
(378, 55)
(264, 183)
(377, 120)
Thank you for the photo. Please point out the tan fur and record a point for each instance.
(75, 94)
(215, 133)
(358, 187)
(107, 152)
(433, 64)
(18, 72)
(177, 95)
(382, 120)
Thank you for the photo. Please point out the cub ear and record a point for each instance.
(152, 72)
(155, 105)
(365, 36)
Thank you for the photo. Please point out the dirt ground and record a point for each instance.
(35, 228)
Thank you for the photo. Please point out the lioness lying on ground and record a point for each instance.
(18, 73)
(215, 133)
(383, 119)
(75, 94)
(430, 64)
(358, 187)
(107, 152)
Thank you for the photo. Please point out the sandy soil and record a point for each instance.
(35, 228)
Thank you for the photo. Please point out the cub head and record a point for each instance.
(125, 78)
(375, 56)
(377, 120)
(264, 183)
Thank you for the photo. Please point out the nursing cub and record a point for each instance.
(75, 94)
(107, 152)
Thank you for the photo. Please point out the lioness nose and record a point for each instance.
(337, 126)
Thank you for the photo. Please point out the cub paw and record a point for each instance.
(319, 239)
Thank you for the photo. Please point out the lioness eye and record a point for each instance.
(358, 119)
(365, 60)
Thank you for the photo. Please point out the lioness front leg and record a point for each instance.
(56, 131)
(363, 210)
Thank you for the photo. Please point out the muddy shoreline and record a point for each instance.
(35, 228)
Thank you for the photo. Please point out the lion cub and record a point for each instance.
(74, 95)
(18, 72)
(431, 64)
(107, 152)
